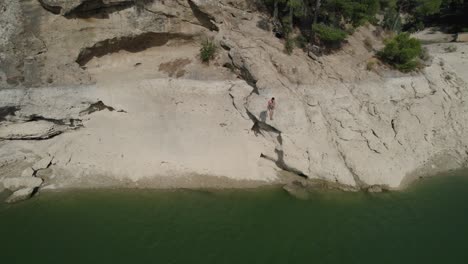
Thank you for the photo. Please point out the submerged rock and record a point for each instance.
(374, 189)
(297, 189)
(20, 195)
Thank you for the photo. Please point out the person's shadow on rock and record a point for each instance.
(263, 116)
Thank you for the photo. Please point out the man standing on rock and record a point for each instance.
(271, 107)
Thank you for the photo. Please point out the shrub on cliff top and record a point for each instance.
(402, 52)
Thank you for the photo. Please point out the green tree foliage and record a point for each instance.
(328, 34)
(332, 15)
(326, 11)
(422, 13)
(355, 12)
(384, 4)
(428, 7)
(392, 20)
(292, 9)
(275, 4)
(402, 52)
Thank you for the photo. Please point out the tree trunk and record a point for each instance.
(317, 9)
(397, 16)
(291, 15)
(275, 12)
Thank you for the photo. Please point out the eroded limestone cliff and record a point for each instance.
(113, 93)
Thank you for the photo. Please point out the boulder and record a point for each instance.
(297, 189)
(20, 195)
(45, 174)
(14, 184)
(29, 172)
(42, 164)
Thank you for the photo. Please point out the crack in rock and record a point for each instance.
(369, 144)
(244, 74)
(235, 106)
(71, 122)
(43, 164)
(395, 131)
(95, 107)
(360, 184)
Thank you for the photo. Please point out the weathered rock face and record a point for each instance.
(36, 51)
(110, 114)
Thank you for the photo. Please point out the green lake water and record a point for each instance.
(428, 223)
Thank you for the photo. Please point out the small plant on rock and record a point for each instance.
(451, 48)
(370, 65)
(207, 50)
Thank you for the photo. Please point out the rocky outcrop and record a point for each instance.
(107, 108)
(132, 44)
(37, 52)
(44, 163)
(14, 184)
(38, 130)
(25, 186)
(83, 7)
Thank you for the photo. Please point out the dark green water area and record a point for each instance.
(427, 223)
